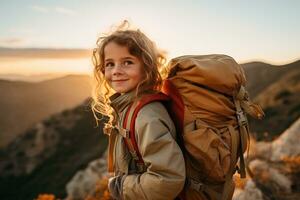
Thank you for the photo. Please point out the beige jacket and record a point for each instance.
(164, 177)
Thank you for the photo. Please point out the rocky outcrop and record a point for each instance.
(84, 182)
(274, 168)
(287, 145)
(270, 175)
(31, 149)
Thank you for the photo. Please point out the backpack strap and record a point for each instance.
(240, 140)
(243, 125)
(176, 106)
(129, 126)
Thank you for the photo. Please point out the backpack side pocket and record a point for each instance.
(209, 153)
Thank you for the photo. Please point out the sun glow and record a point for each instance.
(28, 66)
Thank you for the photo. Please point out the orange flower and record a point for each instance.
(46, 197)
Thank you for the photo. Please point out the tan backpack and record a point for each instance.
(206, 97)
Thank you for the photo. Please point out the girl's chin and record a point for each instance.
(121, 90)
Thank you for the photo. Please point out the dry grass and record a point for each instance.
(240, 182)
(101, 191)
(293, 163)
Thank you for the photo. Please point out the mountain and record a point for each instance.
(260, 75)
(277, 90)
(47, 156)
(29, 78)
(23, 104)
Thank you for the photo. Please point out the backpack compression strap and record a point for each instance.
(129, 124)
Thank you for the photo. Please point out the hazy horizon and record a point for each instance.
(43, 61)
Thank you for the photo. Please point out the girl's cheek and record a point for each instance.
(106, 74)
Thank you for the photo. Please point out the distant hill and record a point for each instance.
(29, 78)
(23, 104)
(277, 90)
(260, 75)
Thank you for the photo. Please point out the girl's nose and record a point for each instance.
(117, 69)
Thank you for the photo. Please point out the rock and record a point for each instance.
(250, 192)
(84, 181)
(271, 176)
(262, 150)
(287, 145)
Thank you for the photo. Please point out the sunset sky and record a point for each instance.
(64, 31)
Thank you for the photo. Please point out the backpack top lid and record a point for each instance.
(208, 85)
(217, 72)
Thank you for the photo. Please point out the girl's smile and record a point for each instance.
(123, 71)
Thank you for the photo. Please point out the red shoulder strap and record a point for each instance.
(175, 106)
(172, 100)
(131, 115)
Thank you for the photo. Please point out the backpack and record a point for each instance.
(206, 98)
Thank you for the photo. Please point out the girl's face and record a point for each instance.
(122, 71)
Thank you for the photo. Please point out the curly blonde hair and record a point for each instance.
(140, 46)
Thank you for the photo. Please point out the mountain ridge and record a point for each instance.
(27, 103)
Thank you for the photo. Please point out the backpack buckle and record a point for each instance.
(241, 117)
(140, 167)
(124, 132)
(134, 155)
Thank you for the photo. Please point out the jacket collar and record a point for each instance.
(120, 101)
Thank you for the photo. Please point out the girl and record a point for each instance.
(126, 64)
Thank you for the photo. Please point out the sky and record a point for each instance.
(257, 30)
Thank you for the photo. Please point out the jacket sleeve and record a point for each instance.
(165, 175)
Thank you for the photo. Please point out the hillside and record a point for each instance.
(46, 157)
(260, 75)
(277, 90)
(22, 104)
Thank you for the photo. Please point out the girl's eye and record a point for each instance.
(128, 62)
(109, 64)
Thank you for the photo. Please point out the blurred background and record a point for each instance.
(50, 146)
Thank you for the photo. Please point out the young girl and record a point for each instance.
(127, 65)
